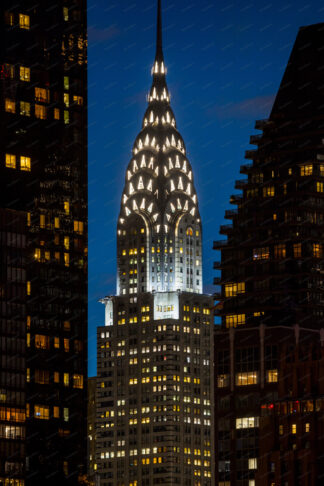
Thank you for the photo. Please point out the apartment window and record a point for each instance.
(28, 288)
(42, 94)
(66, 82)
(246, 378)
(223, 381)
(317, 250)
(268, 191)
(280, 251)
(77, 381)
(25, 108)
(10, 106)
(56, 223)
(41, 341)
(24, 21)
(56, 377)
(56, 342)
(320, 186)
(66, 379)
(272, 376)
(56, 412)
(307, 427)
(261, 253)
(322, 170)
(67, 207)
(40, 112)
(78, 227)
(9, 18)
(66, 345)
(306, 170)
(56, 114)
(10, 161)
(66, 414)
(66, 117)
(294, 429)
(281, 429)
(232, 289)
(42, 377)
(41, 412)
(25, 163)
(78, 100)
(253, 463)
(67, 242)
(66, 259)
(235, 320)
(65, 14)
(247, 422)
(297, 250)
(24, 73)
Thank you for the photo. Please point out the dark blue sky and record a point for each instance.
(225, 60)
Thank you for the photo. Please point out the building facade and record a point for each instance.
(43, 201)
(154, 383)
(271, 301)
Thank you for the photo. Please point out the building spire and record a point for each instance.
(159, 48)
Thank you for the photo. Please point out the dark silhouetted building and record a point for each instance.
(272, 296)
(155, 379)
(43, 238)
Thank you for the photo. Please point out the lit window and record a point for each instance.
(56, 377)
(317, 250)
(66, 242)
(66, 259)
(281, 430)
(42, 94)
(66, 414)
(66, 99)
(24, 108)
(78, 227)
(41, 341)
(222, 381)
(67, 207)
(66, 379)
(247, 422)
(268, 191)
(235, 320)
(40, 112)
(66, 345)
(56, 342)
(297, 250)
(66, 117)
(320, 186)
(25, 163)
(65, 463)
(56, 114)
(232, 289)
(306, 170)
(322, 170)
(10, 106)
(24, 21)
(272, 376)
(66, 82)
(28, 286)
(10, 161)
(78, 100)
(261, 253)
(56, 412)
(65, 14)
(307, 427)
(77, 381)
(280, 251)
(253, 463)
(41, 412)
(56, 223)
(24, 73)
(293, 428)
(246, 378)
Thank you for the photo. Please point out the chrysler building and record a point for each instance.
(155, 381)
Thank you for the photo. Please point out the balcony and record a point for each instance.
(217, 265)
(250, 154)
(225, 229)
(255, 139)
(260, 124)
(236, 199)
(241, 183)
(219, 244)
(231, 213)
(245, 168)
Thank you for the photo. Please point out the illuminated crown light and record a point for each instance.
(186, 206)
(143, 162)
(155, 217)
(129, 175)
(188, 190)
(194, 198)
(131, 189)
(135, 166)
(140, 184)
(177, 164)
(179, 204)
(157, 170)
(142, 206)
(150, 166)
(150, 208)
(135, 207)
(172, 186)
(180, 184)
(172, 207)
(149, 186)
(168, 217)
(125, 198)
(127, 211)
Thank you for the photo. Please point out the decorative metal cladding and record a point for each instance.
(159, 207)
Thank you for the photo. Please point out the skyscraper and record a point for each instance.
(43, 224)
(155, 383)
(269, 347)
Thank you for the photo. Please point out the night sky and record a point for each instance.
(225, 60)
